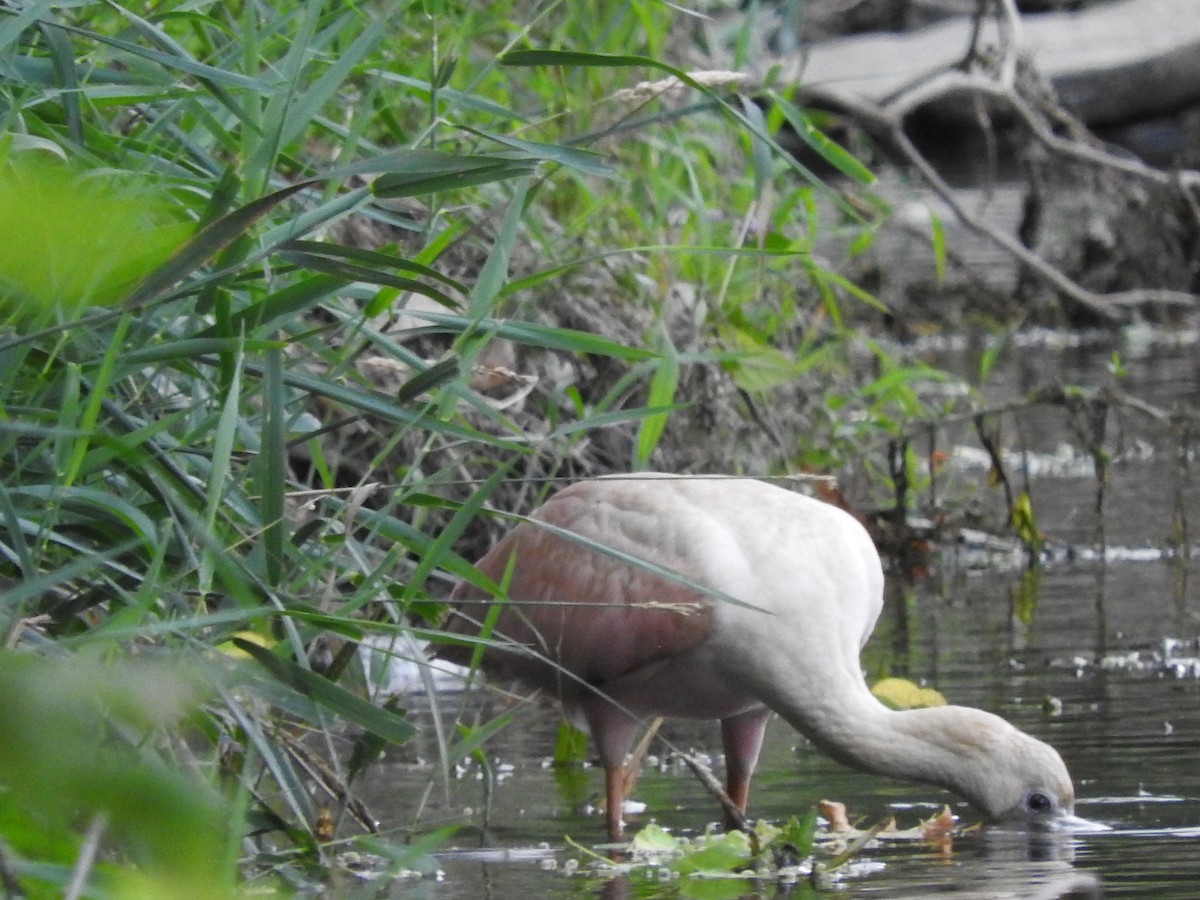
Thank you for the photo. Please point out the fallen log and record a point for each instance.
(1123, 61)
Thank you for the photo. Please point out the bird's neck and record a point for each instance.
(938, 745)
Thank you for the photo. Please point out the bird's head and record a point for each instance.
(1024, 783)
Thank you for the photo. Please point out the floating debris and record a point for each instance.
(1172, 658)
(399, 665)
(1064, 461)
(980, 550)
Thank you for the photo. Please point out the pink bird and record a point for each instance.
(772, 596)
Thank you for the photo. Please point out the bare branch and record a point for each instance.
(889, 117)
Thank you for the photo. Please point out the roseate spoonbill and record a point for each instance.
(774, 597)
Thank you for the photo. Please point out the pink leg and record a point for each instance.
(742, 736)
(614, 791)
(614, 733)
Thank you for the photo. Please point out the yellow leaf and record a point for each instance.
(230, 649)
(900, 693)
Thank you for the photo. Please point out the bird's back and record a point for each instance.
(594, 615)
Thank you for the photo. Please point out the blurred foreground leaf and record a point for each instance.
(70, 239)
(78, 753)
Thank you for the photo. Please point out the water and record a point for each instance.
(1117, 644)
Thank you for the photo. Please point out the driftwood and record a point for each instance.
(991, 69)
(1111, 308)
(1132, 59)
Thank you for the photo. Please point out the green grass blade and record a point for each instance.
(219, 474)
(65, 74)
(207, 243)
(330, 265)
(536, 335)
(395, 185)
(96, 396)
(273, 464)
(375, 719)
(187, 348)
(495, 269)
(376, 258)
(662, 392)
(834, 154)
(584, 161)
(33, 587)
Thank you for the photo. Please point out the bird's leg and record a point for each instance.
(614, 791)
(613, 732)
(742, 737)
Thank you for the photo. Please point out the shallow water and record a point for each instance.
(1118, 643)
(1131, 737)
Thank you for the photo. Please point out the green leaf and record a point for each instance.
(988, 359)
(290, 112)
(592, 421)
(463, 516)
(223, 438)
(799, 833)
(452, 98)
(586, 161)
(76, 736)
(53, 257)
(429, 380)
(938, 241)
(577, 58)
(759, 366)
(209, 241)
(760, 151)
(375, 258)
(404, 173)
(840, 157)
(61, 55)
(1022, 518)
(834, 154)
(350, 272)
(474, 738)
(186, 348)
(655, 841)
(176, 58)
(662, 392)
(495, 268)
(289, 301)
(381, 405)
(725, 853)
(1025, 595)
(38, 585)
(392, 186)
(537, 335)
(570, 744)
(272, 466)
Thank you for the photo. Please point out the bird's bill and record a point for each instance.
(1075, 824)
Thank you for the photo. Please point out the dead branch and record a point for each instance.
(1004, 87)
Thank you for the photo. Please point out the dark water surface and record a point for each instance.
(1118, 643)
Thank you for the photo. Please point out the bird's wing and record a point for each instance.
(590, 614)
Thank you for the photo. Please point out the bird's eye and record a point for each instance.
(1039, 803)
